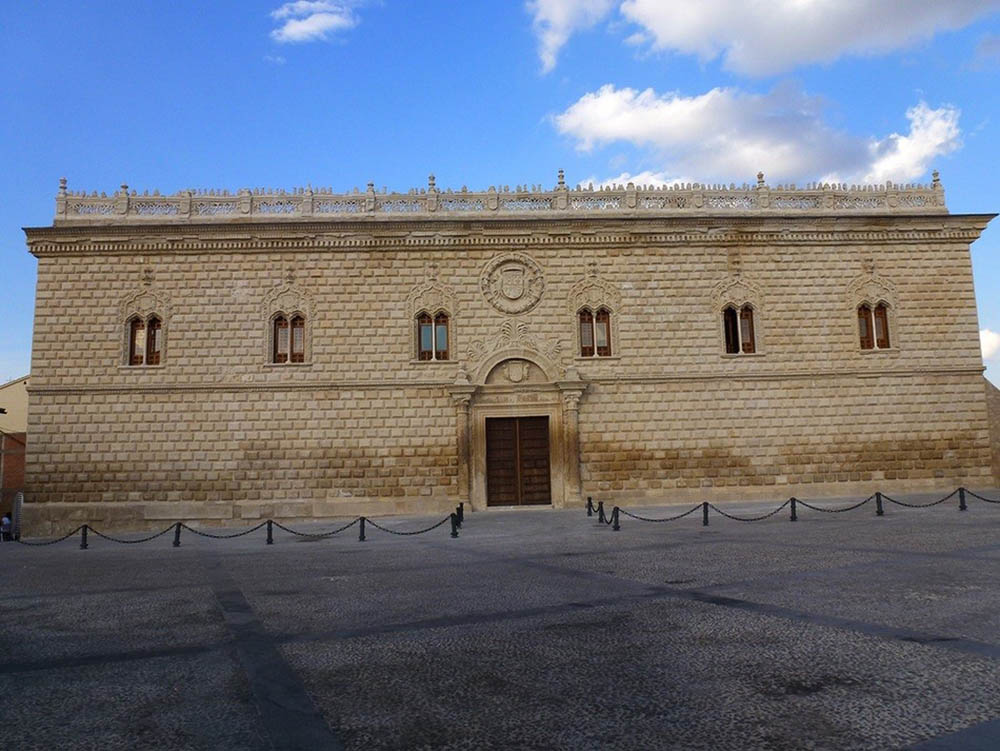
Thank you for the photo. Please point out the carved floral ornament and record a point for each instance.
(871, 288)
(515, 341)
(287, 298)
(431, 296)
(144, 303)
(736, 291)
(593, 292)
(512, 283)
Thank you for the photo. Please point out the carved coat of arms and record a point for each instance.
(512, 283)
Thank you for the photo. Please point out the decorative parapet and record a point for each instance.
(261, 205)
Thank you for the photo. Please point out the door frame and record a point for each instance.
(548, 405)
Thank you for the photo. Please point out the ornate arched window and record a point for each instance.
(145, 340)
(287, 313)
(432, 336)
(739, 330)
(596, 303)
(873, 326)
(595, 332)
(145, 315)
(739, 300)
(288, 338)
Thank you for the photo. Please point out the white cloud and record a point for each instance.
(989, 342)
(727, 133)
(274, 59)
(761, 37)
(310, 20)
(901, 158)
(555, 20)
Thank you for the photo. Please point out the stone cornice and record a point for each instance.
(445, 385)
(568, 233)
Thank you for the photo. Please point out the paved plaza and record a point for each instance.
(533, 630)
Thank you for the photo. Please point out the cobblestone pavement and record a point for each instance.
(534, 630)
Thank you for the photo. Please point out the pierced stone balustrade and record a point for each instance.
(263, 204)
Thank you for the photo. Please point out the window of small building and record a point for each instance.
(739, 330)
(432, 336)
(873, 326)
(595, 332)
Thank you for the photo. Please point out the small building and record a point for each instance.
(13, 429)
(225, 357)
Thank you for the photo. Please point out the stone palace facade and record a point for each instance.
(225, 357)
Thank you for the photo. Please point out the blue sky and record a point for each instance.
(227, 95)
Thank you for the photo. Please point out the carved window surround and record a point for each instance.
(592, 293)
(145, 304)
(872, 289)
(287, 300)
(738, 292)
(431, 298)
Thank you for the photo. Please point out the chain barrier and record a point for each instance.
(919, 505)
(800, 502)
(316, 535)
(222, 537)
(705, 506)
(406, 534)
(456, 518)
(130, 542)
(750, 518)
(50, 542)
(668, 519)
(982, 498)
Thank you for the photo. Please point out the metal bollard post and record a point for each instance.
(177, 535)
(795, 517)
(83, 537)
(614, 518)
(454, 525)
(879, 511)
(361, 530)
(704, 513)
(590, 506)
(270, 536)
(961, 500)
(600, 513)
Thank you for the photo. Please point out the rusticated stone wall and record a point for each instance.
(218, 434)
(993, 407)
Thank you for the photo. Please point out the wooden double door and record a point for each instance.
(517, 461)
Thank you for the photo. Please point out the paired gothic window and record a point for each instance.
(738, 325)
(145, 340)
(595, 332)
(432, 336)
(288, 339)
(873, 326)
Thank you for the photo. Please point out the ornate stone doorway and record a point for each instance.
(517, 461)
(518, 431)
